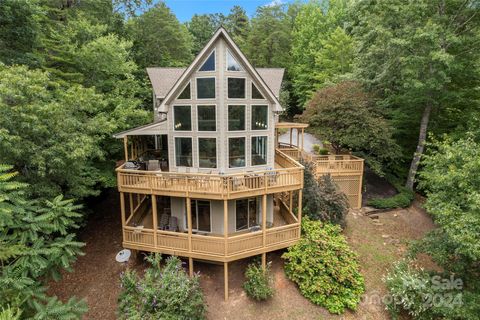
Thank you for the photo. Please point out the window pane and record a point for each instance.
(252, 212)
(256, 94)
(183, 152)
(183, 118)
(209, 64)
(207, 152)
(206, 118)
(236, 118)
(236, 152)
(185, 93)
(203, 215)
(259, 151)
(236, 88)
(232, 64)
(241, 213)
(206, 88)
(259, 117)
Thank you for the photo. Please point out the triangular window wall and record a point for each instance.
(186, 94)
(232, 64)
(209, 64)
(256, 94)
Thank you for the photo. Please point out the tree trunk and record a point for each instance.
(420, 146)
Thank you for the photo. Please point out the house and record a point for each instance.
(208, 179)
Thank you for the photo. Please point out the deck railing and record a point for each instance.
(214, 186)
(217, 248)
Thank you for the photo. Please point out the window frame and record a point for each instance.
(244, 113)
(191, 117)
(251, 117)
(251, 149)
(227, 51)
(251, 92)
(259, 208)
(216, 116)
(216, 151)
(214, 62)
(185, 221)
(175, 151)
(181, 91)
(232, 77)
(196, 87)
(228, 151)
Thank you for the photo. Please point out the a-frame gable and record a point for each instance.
(203, 55)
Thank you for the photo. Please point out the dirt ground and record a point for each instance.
(378, 242)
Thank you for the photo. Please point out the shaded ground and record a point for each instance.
(376, 187)
(379, 242)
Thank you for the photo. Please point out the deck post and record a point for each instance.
(290, 202)
(122, 210)
(225, 277)
(264, 261)
(155, 217)
(300, 193)
(291, 137)
(190, 266)
(298, 138)
(130, 200)
(225, 225)
(189, 222)
(125, 147)
(303, 131)
(264, 220)
(359, 201)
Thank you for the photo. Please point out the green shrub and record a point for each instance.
(325, 268)
(323, 151)
(163, 293)
(259, 282)
(402, 199)
(316, 148)
(321, 198)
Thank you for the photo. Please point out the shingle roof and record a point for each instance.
(163, 79)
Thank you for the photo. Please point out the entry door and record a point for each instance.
(246, 213)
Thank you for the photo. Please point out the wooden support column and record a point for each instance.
(190, 266)
(300, 194)
(290, 202)
(264, 220)
(155, 218)
(125, 147)
(264, 261)
(303, 132)
(298, 138)
(122, 210)
(291, 136)
(225, 225)
(225, 277)
(130, 199)
(189, 222)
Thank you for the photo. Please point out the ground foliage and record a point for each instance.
(259, 282)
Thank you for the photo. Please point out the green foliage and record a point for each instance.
(259, 282)
(163, 293)
(324, 267)
(36, 243)
(321, 198)
(402, 199)
(10, 314)
(345, 115)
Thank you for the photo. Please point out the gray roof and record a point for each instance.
(163, 79)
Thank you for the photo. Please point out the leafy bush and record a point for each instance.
(323, 151)
(324, 267)
(163, 293)
(402, 199)
(259, 282)
(321, 198)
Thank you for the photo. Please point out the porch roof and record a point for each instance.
(154, 128)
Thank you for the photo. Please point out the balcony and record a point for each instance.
(286, 176)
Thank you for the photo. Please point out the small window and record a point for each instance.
(259, 151)
(256, 94)
(236, 88)
(206, 88)
(206, 118)
(182, 118)
(200, 210)
(236, 118)
(186, 94)
(207, 152)
(236, 152)
(246, 213)
(183, 152)
(209, 64)
(259, 117)
(232, 64)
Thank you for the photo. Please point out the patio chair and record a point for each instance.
(163, 223)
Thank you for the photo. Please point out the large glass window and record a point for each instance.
(182, 118)
(206, 88)
(206, 118)
(246, 213)
(256, 94)
(186, 94)
(236, 88)
(259, 151)
(209, 64)
(232, 64)
(207, 152)
(236, 118)
(183, 152)
(236, 152)
(200, 216)
(259, 117)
